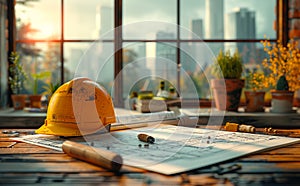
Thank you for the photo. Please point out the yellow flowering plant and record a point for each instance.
(283, 61)
(256, 81)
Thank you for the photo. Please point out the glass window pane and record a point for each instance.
(92, 60)
(230, 19)
(90, 20)
(196, 60)
(144, 19)
(252, 53)
(192, 19)
(73, 52)
(145, 64)
(42, 59)
(34, 23)
(135, 68)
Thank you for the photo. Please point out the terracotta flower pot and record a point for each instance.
(296, 101)
(254, 101)
(282, 101)
(18, 101)
(227, 93)
(35, 101)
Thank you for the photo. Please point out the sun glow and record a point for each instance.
(45, 31)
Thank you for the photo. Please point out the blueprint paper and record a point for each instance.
(176, 149)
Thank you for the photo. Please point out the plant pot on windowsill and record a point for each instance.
(283, 65)
(227, 93)
(35, 101)
(282, 98)
(228, 88)
(282, 101)
(35, 98)
(296, 102)
(19, 101)
(256, 82)
(16, 78)
(254, 101)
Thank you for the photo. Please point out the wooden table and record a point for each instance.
(25, 163)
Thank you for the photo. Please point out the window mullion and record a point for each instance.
(118, 56)
(178, 45)
(62, 43)
(282, 21)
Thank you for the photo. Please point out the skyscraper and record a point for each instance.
(105, 21)
(240, 24)
(214, 19)
(214, 22)
(165, 63)
(101, 52)
(197, 29)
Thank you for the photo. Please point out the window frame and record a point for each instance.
(281, 34)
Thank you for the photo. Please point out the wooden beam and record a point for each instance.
(11, 26)
(282, 21)
(118, 57)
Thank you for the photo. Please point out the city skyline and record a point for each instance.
(80, 16)
(90, 24)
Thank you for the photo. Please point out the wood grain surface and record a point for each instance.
(22, 163)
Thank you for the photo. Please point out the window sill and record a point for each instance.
(9, 118)
(257, 119)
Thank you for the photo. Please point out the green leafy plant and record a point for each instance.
(51, 88)
(282, 83)
(36, 78)
(17, 75)
(231, 66)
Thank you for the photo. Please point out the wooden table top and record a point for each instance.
(25, 163)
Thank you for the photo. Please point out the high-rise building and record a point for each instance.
(197, 28)
(165, 63)
(214, 19)
(214, 22)
(105, 21)
(240, 24)
(103, 51)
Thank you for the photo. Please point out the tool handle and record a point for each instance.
(97, 156)
(146, 138)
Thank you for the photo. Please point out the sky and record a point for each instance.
(80, 15)
(80, 19)
(192, 9)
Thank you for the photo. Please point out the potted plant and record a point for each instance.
(283, 63)
(16, 78)
(50, 88)
(256, 82)
(35, 98)
(282, 97)
(228, 86)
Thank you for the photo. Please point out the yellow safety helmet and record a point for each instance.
(78, 107)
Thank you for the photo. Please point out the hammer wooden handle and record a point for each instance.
(97, 156)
